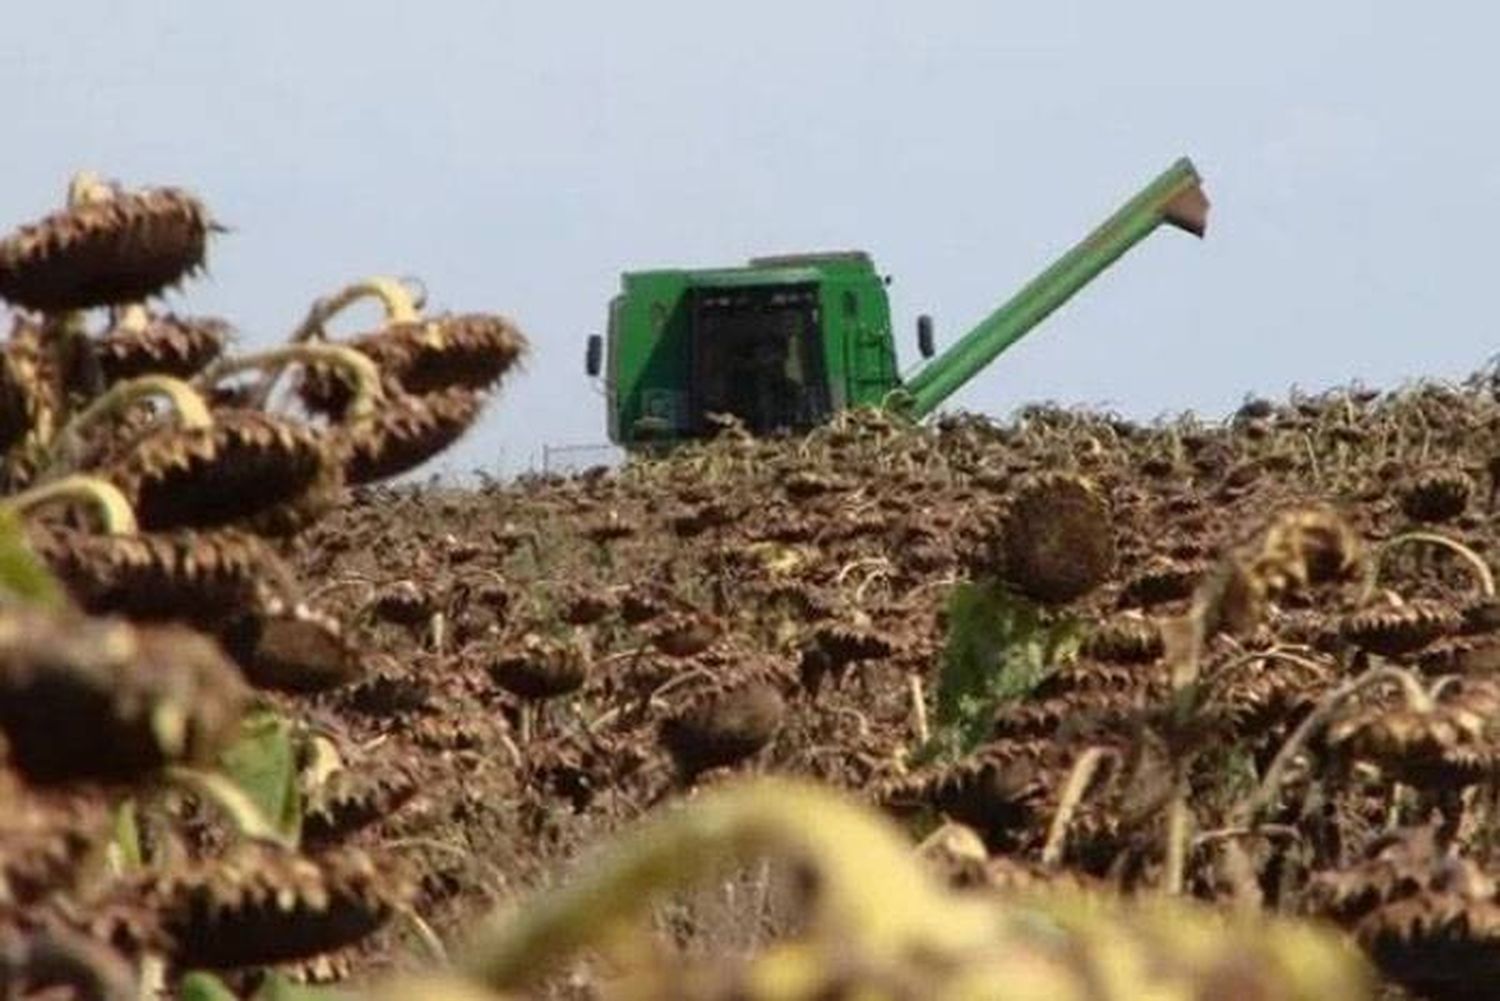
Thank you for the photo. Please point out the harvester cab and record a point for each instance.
(783, 343)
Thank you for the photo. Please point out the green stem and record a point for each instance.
(109, 504)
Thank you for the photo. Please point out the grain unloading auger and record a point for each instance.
(786, 342)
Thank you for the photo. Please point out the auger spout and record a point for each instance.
(1175, 197)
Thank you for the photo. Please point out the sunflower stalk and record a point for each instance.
(110, 506)
(192, 414)
(399, 304)
(1079, 777)
(364, 372)
(1482, 573)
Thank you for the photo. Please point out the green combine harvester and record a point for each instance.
(786, 342)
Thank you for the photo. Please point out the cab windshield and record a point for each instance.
(755, 355)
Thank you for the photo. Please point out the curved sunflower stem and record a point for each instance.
(1482, 572)
(1437, 686)
(1270, 784)
(110, 506)
(426, 935)
(192, 414)
(399, 304)
(1079, 777)
(363, 370)
(1220, 676)
(904, 910)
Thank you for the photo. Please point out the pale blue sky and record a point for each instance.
(518, 156)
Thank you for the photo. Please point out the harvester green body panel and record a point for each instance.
(783, 343)
(682, 345)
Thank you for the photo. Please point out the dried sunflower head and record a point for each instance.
(406, 431)
(291, 647)
(846, 642)
(1263, 696)
(685, 634)
(261, 904)
(722, 726)
(126, 701)
(1429, 919)
(470, 351)
(1162, 579)
(352, 799)
(1436, 495)
(1397, 630)
(1056, 541)
(541, 668)
(164, 345)
(582, 606)
(203, 578)
(1301, 549)
(1125, 639)
(1000, 790)
(1307, 547)
(246, 464)
(1447, 745)
(403, 603)
(115, 247)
